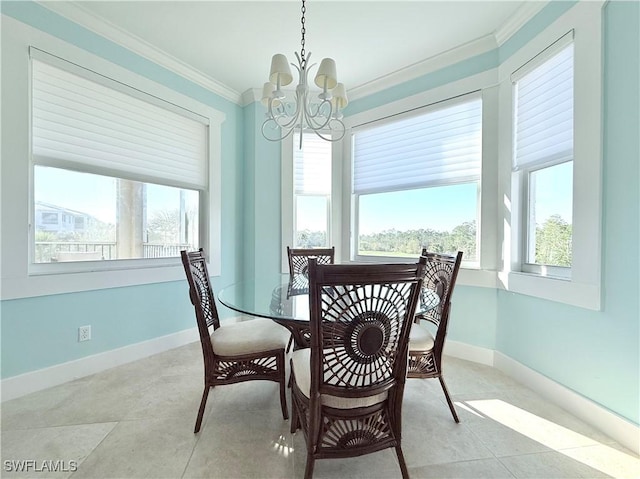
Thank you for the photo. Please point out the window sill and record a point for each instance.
(582, 295)
(468, 275)
(43, 284)
(480, 278)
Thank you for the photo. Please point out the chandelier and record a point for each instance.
(322, 115)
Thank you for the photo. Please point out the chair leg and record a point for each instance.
(403, 464)
(282, 379)
(294, 417)
(283, 399)
(449, 402)
(308, 470)
(203, 403)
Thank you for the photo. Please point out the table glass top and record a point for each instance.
(282, 296)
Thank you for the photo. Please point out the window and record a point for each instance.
(312, 191)
(120, 219)
(543, 157)
(124, 171)
(416, 182)
(551, 161)
(49, 218)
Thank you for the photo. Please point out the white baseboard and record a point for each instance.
(611, 424)
(475, 354)
(594, 414)
(23, 384)
(617, 428)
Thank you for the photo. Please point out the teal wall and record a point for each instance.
(40, 332)
(43, 331)
(597, 353)
(262, 196)
(594, 353)
(473, 316)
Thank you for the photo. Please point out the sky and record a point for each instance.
(96, 195)
(438, 208)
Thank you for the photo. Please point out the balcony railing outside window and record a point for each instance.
(54, 251)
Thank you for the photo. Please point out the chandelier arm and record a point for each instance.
(312, 119)
(285, 122)
(291, 121)
(313, 125)
(280, 137)
(342, 131)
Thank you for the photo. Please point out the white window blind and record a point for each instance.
(84, 125)
(544, 112)
(442, 146)
(312, 165)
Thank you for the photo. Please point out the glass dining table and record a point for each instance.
(284, 298)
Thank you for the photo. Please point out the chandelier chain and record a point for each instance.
(303, 31)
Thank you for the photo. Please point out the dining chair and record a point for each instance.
(244, 351)
(425, 349)
(299, 272)
(299, 258)
(347, 388)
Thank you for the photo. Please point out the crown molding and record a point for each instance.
(525, 13)
(437, 62)
(482, 45)
(249, 96)
(79, 15)
(424, 67)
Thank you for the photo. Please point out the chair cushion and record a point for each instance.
(246, 337)
(420, 338)
(300, 363)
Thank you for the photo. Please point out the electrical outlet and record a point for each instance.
(84, 333)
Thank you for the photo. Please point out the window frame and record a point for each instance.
(526, 170)
(327, 198)
(17, 178)
(68, 221)
(482, 274)
(355, 197)
(289, 197)
(583, 288)
(107, 80)
(527, 242)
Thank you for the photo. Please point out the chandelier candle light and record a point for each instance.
(324, 116)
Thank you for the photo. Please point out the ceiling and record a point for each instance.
(231, 42)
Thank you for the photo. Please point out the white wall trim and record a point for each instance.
(611, 424)
(584, 289)
(474, 83)
(525, 13)
(424, 67)
(604, 420)
(250, 96)
(469, 352)
(81, 16)
(481, 278)
(20, 279)
(619, 429)
(33, 381)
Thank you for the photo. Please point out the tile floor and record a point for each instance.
(137, 420)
